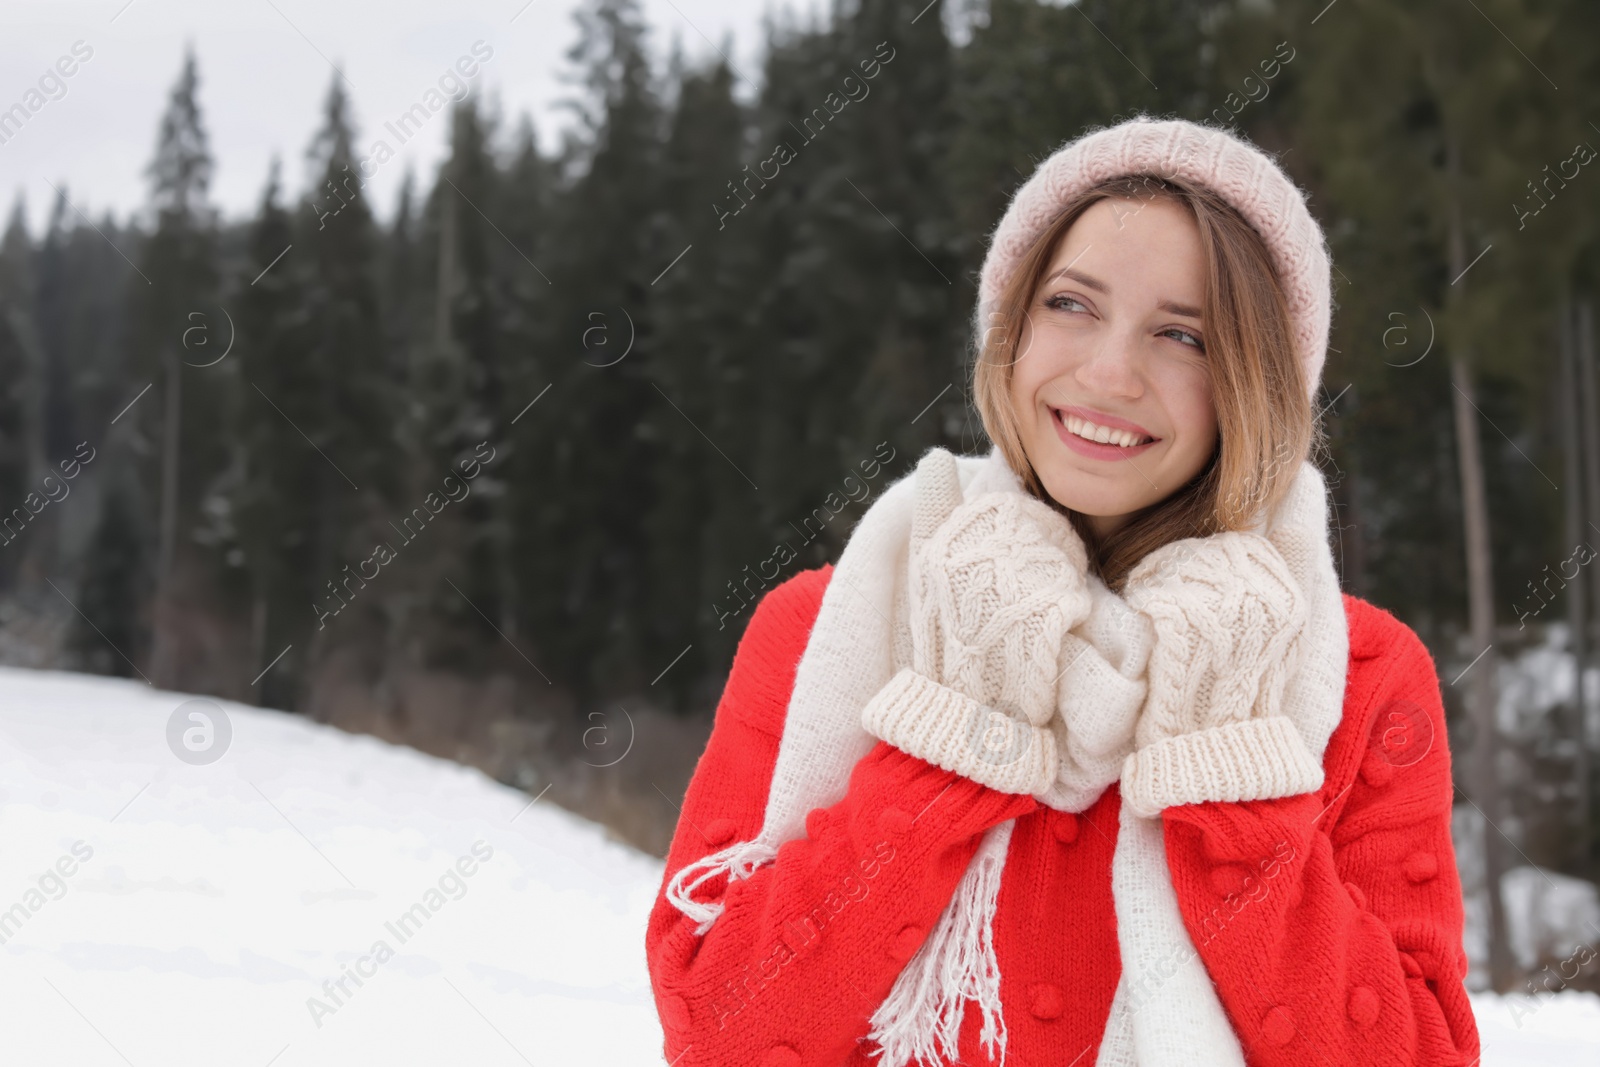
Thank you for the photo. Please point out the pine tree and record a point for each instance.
(345, 414)
(273, 514)
(18, 380)
(108, 635)
(858, 319)
(83, 347)
(580, 542)
(529, 335)
(178, 263)
(55, 294)
(471, 187)
(460, 599)
(700, 361)
(400, 282)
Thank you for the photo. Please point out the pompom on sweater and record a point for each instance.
(1330, 922)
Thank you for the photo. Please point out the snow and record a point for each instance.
(216, 899)
(1548, 914)
(1556, 1030)
(207, 903)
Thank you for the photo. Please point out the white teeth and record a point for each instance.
(1103, 434)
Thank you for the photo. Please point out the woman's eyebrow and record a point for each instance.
(1088, 281)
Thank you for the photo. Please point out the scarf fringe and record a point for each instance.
(738, 860)
(921, 1018)
(1159, 1018)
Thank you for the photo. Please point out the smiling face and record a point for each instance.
(1112, 392)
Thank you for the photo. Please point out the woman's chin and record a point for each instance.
(1097, 507)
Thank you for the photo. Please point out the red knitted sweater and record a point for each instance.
(1330, 922)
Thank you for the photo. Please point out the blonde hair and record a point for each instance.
(1265, 422)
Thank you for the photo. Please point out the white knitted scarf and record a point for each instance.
(1165, 1011)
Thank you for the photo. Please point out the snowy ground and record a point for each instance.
(1553, 1031)
(216, 900)
(157, 911)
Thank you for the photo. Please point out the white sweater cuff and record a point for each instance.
(951, 730)
(1257, 759)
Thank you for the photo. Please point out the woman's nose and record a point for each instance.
(1111, 368)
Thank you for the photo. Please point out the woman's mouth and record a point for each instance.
(1097, 441)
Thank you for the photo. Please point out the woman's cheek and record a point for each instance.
(1022, 395)
(1184, 393)
(1042, 359)
(1189, 397)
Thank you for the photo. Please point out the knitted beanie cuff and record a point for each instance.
(949, 729)
(1257, 759)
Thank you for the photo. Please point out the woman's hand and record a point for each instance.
(995, 584)
(1228, 618)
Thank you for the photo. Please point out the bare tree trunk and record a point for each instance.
(1585, 356)
(1589, 397)
(1577, 607)
(172, 415)
(1481, 691)
(1480, 597)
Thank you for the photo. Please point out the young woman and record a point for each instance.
(1078, 755)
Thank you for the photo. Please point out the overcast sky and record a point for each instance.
(265, 68)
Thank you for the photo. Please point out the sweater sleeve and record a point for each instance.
(1331, 922)
(810, 944)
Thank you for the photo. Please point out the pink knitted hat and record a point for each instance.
(1236, 170)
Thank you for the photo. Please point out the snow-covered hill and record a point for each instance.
(312, 897)
(213, 909)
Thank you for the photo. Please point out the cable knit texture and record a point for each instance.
(1322, 947)
(854, 659)
(945, 650)
(1101, 690)
(1229, 621)
(994, 586)
(1247, 178)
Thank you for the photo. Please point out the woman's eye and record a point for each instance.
(1066, 302)
(1060, 299)
(1193, 339)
